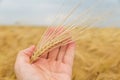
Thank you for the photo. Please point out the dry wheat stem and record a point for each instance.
(49, 45)
(61, 36)
(54, 42)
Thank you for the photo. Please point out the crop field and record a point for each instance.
(97, 53)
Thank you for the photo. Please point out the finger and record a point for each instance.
(29, 51)
(53, 54)
(61, 53)
(69, 55)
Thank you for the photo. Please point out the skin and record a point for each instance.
(55, 65)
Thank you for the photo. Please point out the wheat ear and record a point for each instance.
(58, 38)
(61, 36)
(54, 41)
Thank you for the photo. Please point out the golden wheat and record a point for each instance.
(97, 54)
(60, 36)
(56, 40)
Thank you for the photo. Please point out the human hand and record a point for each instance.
(55, 65)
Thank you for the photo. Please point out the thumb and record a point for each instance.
(24, 55)
(29, 51)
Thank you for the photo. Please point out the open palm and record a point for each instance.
(55, 65)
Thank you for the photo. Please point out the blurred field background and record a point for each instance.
(97, 54)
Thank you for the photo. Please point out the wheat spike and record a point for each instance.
(58, 39)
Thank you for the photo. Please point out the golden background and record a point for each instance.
(97, 54)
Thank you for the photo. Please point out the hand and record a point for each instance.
(55, 65)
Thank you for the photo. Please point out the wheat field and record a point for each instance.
(97, 54)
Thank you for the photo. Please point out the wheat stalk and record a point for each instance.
(59, 36)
